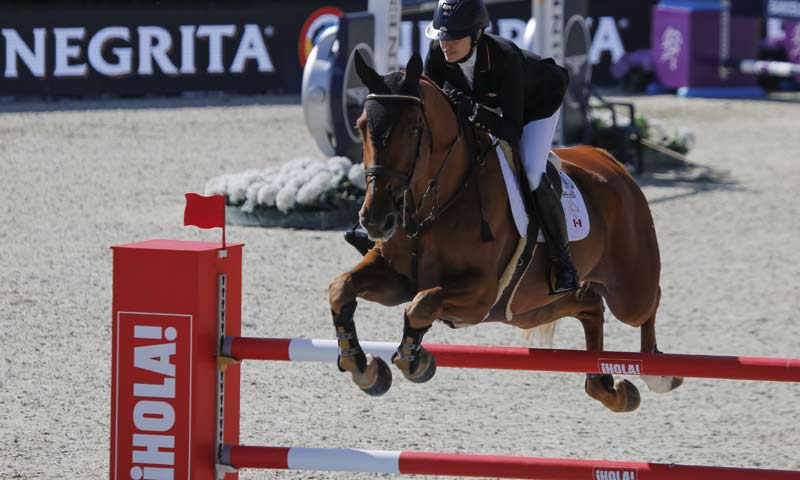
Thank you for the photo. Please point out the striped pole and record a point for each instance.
(493, 466)
(519, 358)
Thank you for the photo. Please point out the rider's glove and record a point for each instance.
(464, 104)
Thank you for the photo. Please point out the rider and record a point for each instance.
(514, 95)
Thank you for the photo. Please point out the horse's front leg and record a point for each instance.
(374, 280)
(417, 364)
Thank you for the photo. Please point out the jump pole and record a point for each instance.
(520, 358)
(176, 322)
(491, 466)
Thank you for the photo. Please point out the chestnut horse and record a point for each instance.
(425, 204)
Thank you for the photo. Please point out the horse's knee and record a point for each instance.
(340, 291)
(591, 314)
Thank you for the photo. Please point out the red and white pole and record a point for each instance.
(492, 466)
(518, 358)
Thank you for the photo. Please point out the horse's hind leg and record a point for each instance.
(658, 384)
(587, 306)
(622, 397)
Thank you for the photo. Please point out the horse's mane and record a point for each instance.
(426, 79)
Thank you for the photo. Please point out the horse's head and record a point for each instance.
(391, 127)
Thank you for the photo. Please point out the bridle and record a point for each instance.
(411, 225)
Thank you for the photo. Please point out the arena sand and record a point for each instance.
(80, 177)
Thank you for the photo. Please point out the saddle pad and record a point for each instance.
(577, 216)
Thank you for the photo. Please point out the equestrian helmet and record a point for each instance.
(455, 19)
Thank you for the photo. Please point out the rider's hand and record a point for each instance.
(462, 102)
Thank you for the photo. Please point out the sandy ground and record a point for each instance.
(79, 177)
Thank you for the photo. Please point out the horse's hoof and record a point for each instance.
(376, 379)
(660, 384)
(425, 367)
(622, 397)
(631, 399)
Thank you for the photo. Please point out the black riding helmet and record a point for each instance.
(455, 19)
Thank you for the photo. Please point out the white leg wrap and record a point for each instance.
(658, 384)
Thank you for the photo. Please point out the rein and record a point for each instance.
(411, 211)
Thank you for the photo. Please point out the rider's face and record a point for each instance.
(455, 50)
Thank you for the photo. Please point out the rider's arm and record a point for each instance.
(507, 124)
(550, 86)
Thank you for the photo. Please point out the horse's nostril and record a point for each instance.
(389, 223)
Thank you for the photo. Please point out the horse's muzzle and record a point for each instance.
(381, 226)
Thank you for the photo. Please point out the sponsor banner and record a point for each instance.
(153, 387)
(125, 50)
(619, 366)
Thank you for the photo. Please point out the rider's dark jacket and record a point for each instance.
(524, 86)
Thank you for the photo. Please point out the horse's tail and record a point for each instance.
(543, 335)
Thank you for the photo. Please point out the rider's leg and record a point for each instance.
(537, 137)
(550, 213)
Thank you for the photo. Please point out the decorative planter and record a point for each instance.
(345, 214)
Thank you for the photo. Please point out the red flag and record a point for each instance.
(204, 212)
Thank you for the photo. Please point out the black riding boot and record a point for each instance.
(359, 239)
(550, 212)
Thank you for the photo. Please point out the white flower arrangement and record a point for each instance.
(303, 183)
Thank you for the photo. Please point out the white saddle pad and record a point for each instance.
(575, 212)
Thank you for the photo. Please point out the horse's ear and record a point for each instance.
(370, 77)
(414, 69)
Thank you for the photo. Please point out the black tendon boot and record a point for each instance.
(359, 239)
(550, 212)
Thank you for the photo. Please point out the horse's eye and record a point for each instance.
(412, 131)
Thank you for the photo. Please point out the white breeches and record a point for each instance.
(537, 138)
